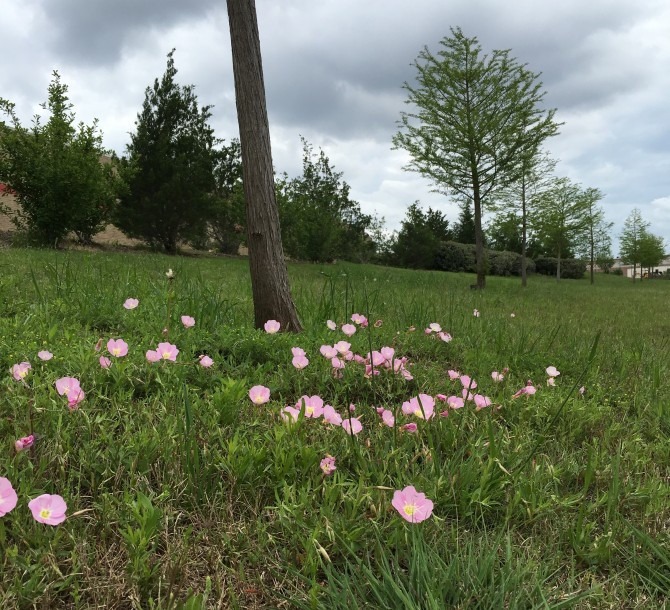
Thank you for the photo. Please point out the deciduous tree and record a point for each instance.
(634, 229)
(475, 117)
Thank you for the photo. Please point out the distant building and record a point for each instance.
(627, 270)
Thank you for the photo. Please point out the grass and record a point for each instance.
(181, 493)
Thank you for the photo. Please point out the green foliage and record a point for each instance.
(56, 172)
(457, 257)
(170, 166)
(226, 220)
(571, 268)
(319, 222)
(652, 250)
(464, 230)
(478, 117)
(417, 243)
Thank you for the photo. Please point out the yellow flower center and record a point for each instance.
(309, 410)
(45, 513)
(409, 509)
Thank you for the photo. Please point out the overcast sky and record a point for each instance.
(334, 71)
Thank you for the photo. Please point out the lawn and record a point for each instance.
(183, 490)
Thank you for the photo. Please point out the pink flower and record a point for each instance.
(441, 397)
(434, 327)
(455, 402)
(271, 327)
(66, 385)
(412, 505)
(497, 377)
(45, 355)
(582, 390)
(297, 351)
(24, 443)
(421, 406)
(359, 319)
(8, 497)
(300, 362)
(331, 416)
(131, 303)
(166, 351)
(153, 355)
(551, 382)
(453, 374)
(20, 371)
(188, 321)
(105, 362)
(313, 406)
(467, 395)
(48, 509)
(482, 401)
(348, 329)
(342, 347)
(328, 465)
(290, 414)
(446, 337)
(476, 313)
(336, 363)
(552, 371)
(411, 427)
(388, 353)
(352, 425)
(205, 361)
(331, 325)
(117, 347)
(74, 397)
(528, 390)
(468, 382)
(259, 394)
(328, 351)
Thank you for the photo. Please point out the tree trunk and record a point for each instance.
(524, 272)
(479, 240)
(558, 265)
(269, 276)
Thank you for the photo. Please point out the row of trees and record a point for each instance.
(638, 246)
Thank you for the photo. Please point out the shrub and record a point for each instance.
(456, 257)
(571, 268)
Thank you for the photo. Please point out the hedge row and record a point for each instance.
(454, 256)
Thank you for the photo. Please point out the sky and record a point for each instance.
(334, 71)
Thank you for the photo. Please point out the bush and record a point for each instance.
(456, 257)
(571, 268)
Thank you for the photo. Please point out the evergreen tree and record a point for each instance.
(56, 172)
(170, 166)
(465, 231)
(634, 229)
(417, 242)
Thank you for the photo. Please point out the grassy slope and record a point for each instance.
(554, 500)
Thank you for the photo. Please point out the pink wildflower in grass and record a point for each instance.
(66, 385)
(331, 416)
(331, 325)
(205, 361)
(48, 509)
(497, 377)
(74, 397)
(337, 363)
(117, 347)
(131, 303)
(153, 356)
(453, 374)
(377, 358)
(313, 406)
(467, 382)
(167, 351)
(551, 382)
(441, 397)
(259, 394)
(20, 371)
(455, 402)
(476, 313)
(446, 337)
(527, 390)
(421, 406)
(412, 505)
(8, 497)
(411, 427)
(388, 353)
(45, 355)
(552, 371)
(406, 374)
(24, 443)
(358, 358)
(359, 319)
(348, 329)
(105, 362)
(427, 331)
(328, 351)
(290, 414)
(582, 390)
(481, 402)
(297, 351)
(467, 395)
(352, 425)
(327, 465)
(271, 327)
(342, 347)
(300, 362)
(188, 321)
(434, 327)
(370, 371)
(388, 418)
